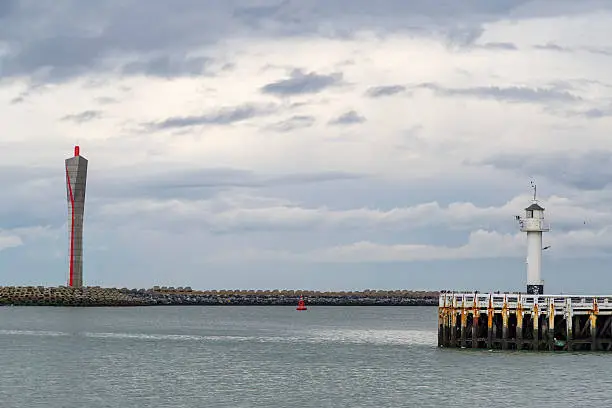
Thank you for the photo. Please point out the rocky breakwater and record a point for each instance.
(67, 296)
(187, 296)
(170, 296)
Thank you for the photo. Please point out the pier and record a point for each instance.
(525, 322)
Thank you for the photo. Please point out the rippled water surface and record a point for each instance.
(272, 357)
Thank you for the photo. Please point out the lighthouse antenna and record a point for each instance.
(535, 189)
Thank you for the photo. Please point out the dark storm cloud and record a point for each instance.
(506, 94)
(75, 37)
(83, 117)
(223, 116)
(293, 123)
(166, 67)
(348, 118)
(387, 90)
(302, 83)
(586, 171)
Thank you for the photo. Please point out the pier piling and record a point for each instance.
(525, 322)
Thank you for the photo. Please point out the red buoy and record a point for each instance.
(301, 305)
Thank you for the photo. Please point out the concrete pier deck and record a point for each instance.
(519, 321)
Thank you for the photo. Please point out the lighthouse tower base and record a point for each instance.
(535, 289)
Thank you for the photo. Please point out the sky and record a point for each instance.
(328, 145)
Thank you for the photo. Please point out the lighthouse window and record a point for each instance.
(529, 213)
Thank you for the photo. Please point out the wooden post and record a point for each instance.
(519, 323)
(569, 333)
(463, 324)
(551, 324)
(593, 317)
(505, 325)
(490, 324)
(535, 315)
(454, 322)
(440, 326)
(475, 319)
(586, 328)
(519, 328)
(447, 328)
(593, 321)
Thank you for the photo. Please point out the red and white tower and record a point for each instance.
(76, 180)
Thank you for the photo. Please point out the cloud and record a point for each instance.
(564, 49)
(206, 183)
(166, 67)
(7, 239)
(596, 113)
(103, 37)
(223, 116)
(105, 100)
(507, 94)
(299, 178)
(7, 7)
(293, 123)
(506, 46)
(590, 170)
(83, 117)
(348, 118)
(302, 83)
(214, 143)
(481, 244)
(388, 90)
(65, 47)
(232, 212)
(552, 47)
(463, 36)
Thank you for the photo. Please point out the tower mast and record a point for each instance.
(76, 180)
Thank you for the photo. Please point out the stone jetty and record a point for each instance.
(170, 296)
(67, 296)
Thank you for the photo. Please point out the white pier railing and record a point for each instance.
(512, 301)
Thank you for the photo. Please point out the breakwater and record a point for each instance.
(169, 296)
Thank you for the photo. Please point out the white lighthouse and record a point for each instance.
(534, 225)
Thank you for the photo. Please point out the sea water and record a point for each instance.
(257, 356)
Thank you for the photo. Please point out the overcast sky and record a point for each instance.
(323, 144)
